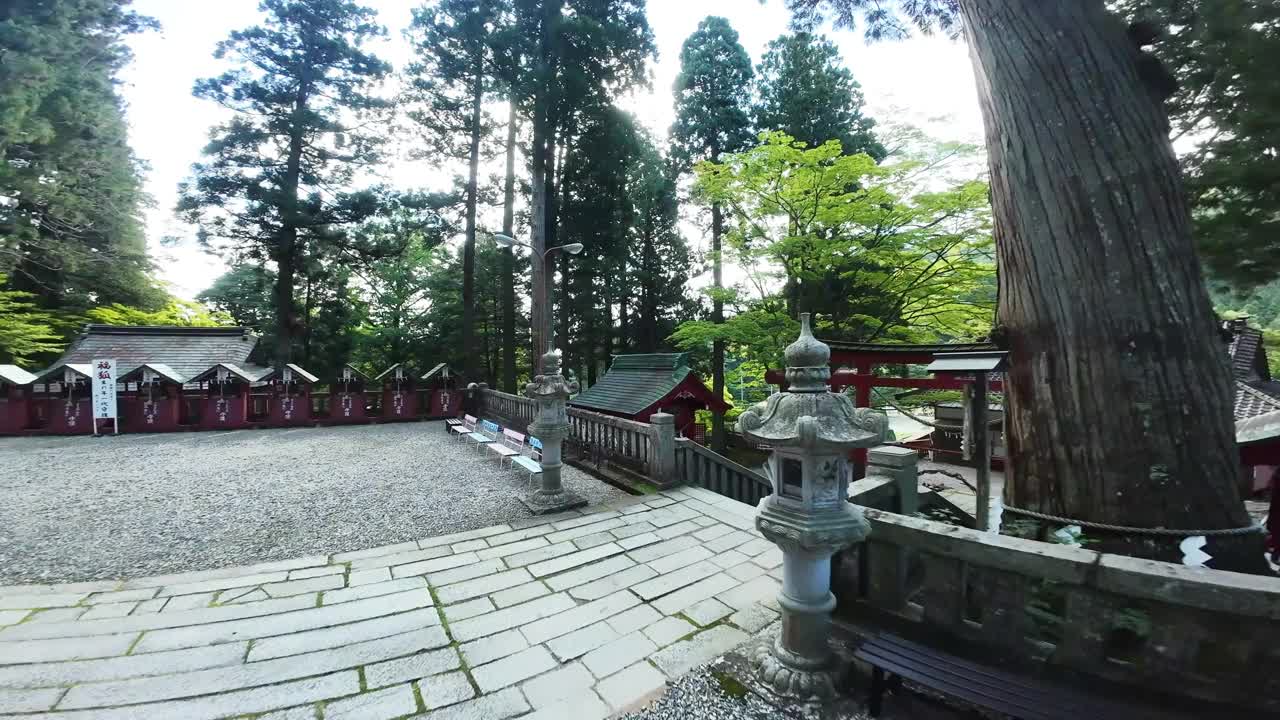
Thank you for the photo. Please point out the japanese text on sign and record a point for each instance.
(104, 389)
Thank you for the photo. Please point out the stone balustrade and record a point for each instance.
(697, 465)
(644, 448)
(1205, 633)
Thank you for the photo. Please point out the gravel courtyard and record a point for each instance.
(78, 508)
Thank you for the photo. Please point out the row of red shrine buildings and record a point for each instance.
(178, 378)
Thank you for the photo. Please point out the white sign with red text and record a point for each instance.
(104, 389)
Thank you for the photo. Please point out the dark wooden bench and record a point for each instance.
(894, 659)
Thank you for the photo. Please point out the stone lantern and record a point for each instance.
(550, 391)
(808, 516)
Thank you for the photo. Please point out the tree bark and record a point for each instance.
(717, 317)
(285, 253)
(508, 259)
(1119, 394)
(469, 249)
(541, 177)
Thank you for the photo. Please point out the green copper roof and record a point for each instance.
(634, 382)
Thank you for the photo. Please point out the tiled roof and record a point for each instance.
(634, 382)
(1258, 429)
(442, 367)
(187, 351)
(15, 375)
(408, 371)
(1248, 354)
(357, 374)
(160, 369)
(54, 374)
(272, 374)
(248, 375)
(1256, 398)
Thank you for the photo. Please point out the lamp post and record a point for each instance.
(550, 391)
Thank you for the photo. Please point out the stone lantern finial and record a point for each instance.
(808, 361)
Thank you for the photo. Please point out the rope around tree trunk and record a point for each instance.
(1129, 530)
(1173, 532)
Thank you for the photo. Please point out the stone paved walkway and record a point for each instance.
(571, 616)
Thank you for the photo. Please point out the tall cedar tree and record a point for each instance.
(659, 262)
(712, 117)
(70, 187)
(803, 90)
(1221, 53)
(618, 201)
(276, 182)
(586, 52)
(454, 41)
(507, 270)
(1119, 394)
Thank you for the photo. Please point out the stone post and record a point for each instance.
(551, 425)
(900, 464)
(662, 467)
(812, 430)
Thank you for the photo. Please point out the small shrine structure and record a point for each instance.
(440, 393)
(290, 395)
(637, 386)
(226, 391)
(347, 398)
(399, 396)
(64, 391)
(152, 399)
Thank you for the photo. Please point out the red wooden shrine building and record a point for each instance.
(61, 404)
(152, 399)
(637, 386)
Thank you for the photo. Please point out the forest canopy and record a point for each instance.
(708, 236)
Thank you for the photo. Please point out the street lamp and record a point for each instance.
(541, 291)
(550, 391)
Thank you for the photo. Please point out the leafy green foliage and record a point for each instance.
(864, 245)
(179, 312)
(244, 294)
(70, 187)
(1228, 103)
(26, 331)
(804, 91)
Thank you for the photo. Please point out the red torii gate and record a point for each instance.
(865, 357)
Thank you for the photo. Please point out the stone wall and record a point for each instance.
(1168, 628)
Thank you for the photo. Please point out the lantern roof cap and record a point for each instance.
(808, 361)
(808, 414)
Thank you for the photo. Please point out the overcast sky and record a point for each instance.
(927, 82)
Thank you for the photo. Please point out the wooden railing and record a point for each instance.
(617, 440)
(700, 466)
(1204, 633)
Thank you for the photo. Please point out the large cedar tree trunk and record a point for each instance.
(508, 259)
(469, 249)
(1119, 394)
